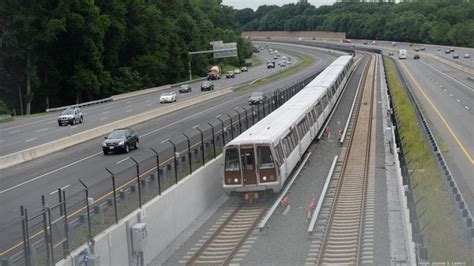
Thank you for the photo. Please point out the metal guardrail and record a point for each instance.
(321, 198)
(79, 105)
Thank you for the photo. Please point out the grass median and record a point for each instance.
(283, 73)
(443, 234)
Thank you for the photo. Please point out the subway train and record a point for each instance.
(263, 157)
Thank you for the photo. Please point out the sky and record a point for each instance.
(254, 4)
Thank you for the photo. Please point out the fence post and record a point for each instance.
(114, 194)
(189, 153)
(138, 182)
(213, 138)
(253, 115)
(89, 236)
(222, 126)
(46, 225)
(231, 126)
(66, 226)
(157, 169)
(246, 118)
(202, 144)
(240, 121)
(26, 237)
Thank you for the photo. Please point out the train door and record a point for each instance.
(247, 155)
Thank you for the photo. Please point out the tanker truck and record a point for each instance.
(213, 73)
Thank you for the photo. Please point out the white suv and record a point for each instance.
(70, 116)
(168, 97)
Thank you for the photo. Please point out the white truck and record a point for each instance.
(402, 54)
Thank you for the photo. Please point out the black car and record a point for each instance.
(230, 74)
(207, 86)
(185, 88)
(416, 57)
(121, 139)
(271, 65)
(257, 97)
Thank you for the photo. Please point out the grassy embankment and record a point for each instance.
(282, 73)
(443, 235)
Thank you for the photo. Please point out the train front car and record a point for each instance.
(250, 167)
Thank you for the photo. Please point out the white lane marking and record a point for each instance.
(56, 191)
(14, 131)
(147, 101)
(2, 140)
(73, 127)
(445, 90)
(148, 104)
(446, 75)
(51, 122)
(457, 100)
(106, 112)
(28, 140)
(451, 94)
(103, 118)
(128, 106)
(41, 130)
(54, 171)
(440, 86)
(129, 110)
(467, 107)
(123, 160)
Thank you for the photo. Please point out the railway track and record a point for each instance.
(344, 231)
(236, 227)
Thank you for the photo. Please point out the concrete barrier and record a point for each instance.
(140, 92)
(166, 217)
(48, 148)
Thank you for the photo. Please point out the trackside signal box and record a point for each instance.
(139, 236)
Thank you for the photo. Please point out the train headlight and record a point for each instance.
(264, 178)
(236, 180)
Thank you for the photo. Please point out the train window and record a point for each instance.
(290, 141)
(294, 138)
(329, 92)
(325, 101)
(232, 160)
(310, 118)
(279, 153)
(319, 109)
(248, 161)
(315, 117)
(286, 146)
(265, 158)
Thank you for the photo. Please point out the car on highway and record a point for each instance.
(244, 69)
(271, 65)
(422, 48)
(455, 56)
(467, 56)
(257, 97)
(185, 88)
(416, 57)
(390, 53)
(121, 139)
(417, 49)
(394, 43)
(230, 74)
(452, 49)
(168, 97)
(447, 51)
(70, 116)
(275, 57)
(207, 86)
(237, 71)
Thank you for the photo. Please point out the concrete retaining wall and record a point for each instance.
(48, 148)
(166, 217)
(138, 93)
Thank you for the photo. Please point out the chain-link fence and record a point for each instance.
(75, 219)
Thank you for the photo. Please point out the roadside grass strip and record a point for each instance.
(255, 62)
(307, 60)
(443, 234)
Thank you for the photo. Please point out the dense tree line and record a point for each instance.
(438, 22)
(59, 52)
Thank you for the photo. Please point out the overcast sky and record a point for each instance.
(254, 4)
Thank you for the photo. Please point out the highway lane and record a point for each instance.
(26, 133)
(86, 161)
(449, 107)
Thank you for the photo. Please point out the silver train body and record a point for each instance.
(263, 157)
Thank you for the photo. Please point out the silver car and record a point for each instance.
(70, 116)
(168, 97)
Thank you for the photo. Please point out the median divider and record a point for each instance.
(140, 92)
(48, 148)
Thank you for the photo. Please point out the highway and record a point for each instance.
(23, 185)
(29, 132)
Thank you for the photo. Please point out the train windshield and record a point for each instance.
(265, 158)
(232, 160)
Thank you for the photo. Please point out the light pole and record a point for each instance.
(157, 169)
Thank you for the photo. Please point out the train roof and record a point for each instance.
(278, 123)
